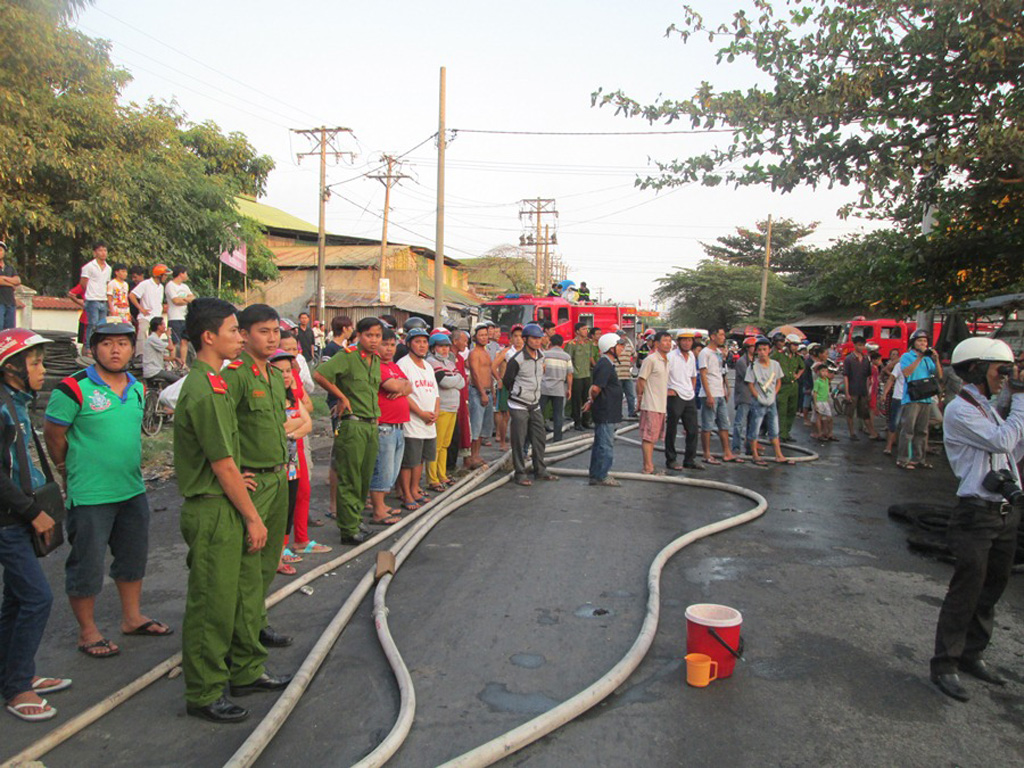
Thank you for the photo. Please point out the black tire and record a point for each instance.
(152, 414)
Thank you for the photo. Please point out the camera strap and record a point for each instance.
(991, 457)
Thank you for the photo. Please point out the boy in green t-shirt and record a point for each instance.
(822, 402)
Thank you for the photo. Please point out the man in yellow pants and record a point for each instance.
(449, 382)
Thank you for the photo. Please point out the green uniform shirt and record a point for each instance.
(259, 405)
(104, 459)
(205, 430)
(584, 357)
(357, 374)
(791, 365)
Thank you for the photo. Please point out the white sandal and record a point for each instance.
(46, 714)
(57, 684)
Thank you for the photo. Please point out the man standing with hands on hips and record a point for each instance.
(983, 451)
(256, 391)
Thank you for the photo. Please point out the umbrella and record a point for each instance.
(745, 330)
(288, 325)
(567, 283)
(785, 330)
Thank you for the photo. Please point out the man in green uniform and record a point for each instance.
(353, 377)
(223, 530)
(257, 393)
(584, 354)
(792, 368)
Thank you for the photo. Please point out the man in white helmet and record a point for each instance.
(605, 405)
(983, 451)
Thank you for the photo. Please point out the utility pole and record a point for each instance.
(323, 138)
(439, 225)
(546, 278)
(389, 179)
(764, 271)
(533, 211)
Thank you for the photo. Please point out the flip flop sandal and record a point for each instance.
(286, 570)
(18, 710)
(712, 460)
(760, 463)
(143, 630)
(437, 488)
(785, 461)
(390, 520)
(525, 481)
(314, 548)
(451, 481)
(110, 651)
(318, 523)
(410, 506)
(50, 684)
(734, 460)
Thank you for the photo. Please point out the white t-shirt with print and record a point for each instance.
(424, 394)
(710, 360)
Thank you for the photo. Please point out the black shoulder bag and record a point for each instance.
(48, 497)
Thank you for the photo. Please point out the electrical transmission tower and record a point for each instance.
(324, 144)
(532, 212)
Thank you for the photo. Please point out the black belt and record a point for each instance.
(262, 470)
(353, 417)
(1002, 507)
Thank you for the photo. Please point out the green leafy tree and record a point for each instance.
(747, 247)
(717, 293)
(916, 105)
(76, 165)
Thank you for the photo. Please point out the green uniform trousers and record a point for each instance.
(354, 457)
(787, 397)
(224, 602)
(271, 500)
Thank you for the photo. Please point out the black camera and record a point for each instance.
(1001, 481)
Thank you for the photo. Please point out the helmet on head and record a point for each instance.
(439, 338)
(414, 322)
(100, 332)
(17, 340)
(981, 349)
(922, 334)
(280, 355)
(160, 270)
(615, 328)
(777, 337)
(763, 340)
(750, 341)
(685, 333)
(416, 332)
(445, 331)
(533, 331)
(514, 328)
(608, 341)
(792, 338)
(648, 333)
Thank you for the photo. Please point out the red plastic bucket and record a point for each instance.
(715, 630)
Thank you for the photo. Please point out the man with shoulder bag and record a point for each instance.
(26, 532)
(983, 451)
(922, 371)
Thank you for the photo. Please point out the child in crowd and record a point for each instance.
(823, 373)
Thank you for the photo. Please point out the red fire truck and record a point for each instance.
(518, 308)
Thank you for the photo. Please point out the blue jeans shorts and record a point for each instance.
(390, 447)
(715, 419)
(124, 526)
(478, 414)
(767, 414)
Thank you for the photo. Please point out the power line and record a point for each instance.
(382, 165)
(696, 131)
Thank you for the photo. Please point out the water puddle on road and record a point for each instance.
(498, 697)
(528, 660)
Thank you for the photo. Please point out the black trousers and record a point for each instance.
(453, 450)
(580, 393)
(528, 426)
(686, 412)
(983, 542)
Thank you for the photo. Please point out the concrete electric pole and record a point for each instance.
(323, 145)
(533, 211)
(389, 179)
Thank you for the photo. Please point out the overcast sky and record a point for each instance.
(263, 67)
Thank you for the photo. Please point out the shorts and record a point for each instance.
(390, 450)
(502, 400)
(715, 419)
(857, 405)
(419, 450)
(766, 414)
(124, 525)
(177, 330)
(823, 408)
(652, 426)
(477, 413)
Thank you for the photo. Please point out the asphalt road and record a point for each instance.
(495, 615)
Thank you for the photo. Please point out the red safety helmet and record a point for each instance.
(750, 341)
(160, 270)
(16, 340)
(441, 330)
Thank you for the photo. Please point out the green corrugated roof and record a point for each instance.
(456, 295)
(269, 216)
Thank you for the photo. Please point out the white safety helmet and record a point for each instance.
(793, 338)
(982, 349)
(608, 341)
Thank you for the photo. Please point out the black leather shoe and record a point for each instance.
(950, 685)
(354, 538)
(271, 638)
(262, 684)
(980, 669)
(221, 711)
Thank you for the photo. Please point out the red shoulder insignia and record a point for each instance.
(235, 364)
(349, 349)
(217, 384)
(255, 370)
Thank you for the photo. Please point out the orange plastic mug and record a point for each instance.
(700, 669)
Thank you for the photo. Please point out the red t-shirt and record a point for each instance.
(392, 411)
